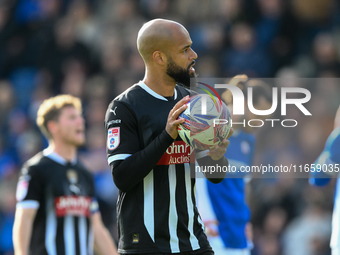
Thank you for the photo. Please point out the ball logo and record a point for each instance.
(113, 138)
(218, 103)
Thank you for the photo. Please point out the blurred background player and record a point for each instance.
(330, 156)
(223, 207)
(56, 211)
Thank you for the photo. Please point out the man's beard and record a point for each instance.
(179, 74)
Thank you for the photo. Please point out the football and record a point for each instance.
(203, 128)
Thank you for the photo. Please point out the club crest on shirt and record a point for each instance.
(113, 138)
(22, 187)
(72, 176)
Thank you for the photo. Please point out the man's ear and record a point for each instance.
(52, 126)
(159, 57)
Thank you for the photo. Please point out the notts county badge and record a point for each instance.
(72, 177)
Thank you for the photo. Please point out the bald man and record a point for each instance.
(150, 163)
(165, 47)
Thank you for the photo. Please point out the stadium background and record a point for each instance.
(88, 49)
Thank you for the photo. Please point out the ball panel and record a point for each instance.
(198, 129)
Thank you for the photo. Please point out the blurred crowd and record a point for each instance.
(87, 48)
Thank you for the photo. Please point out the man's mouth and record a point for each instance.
(191, 68)
(79, 131)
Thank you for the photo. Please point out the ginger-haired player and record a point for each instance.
(57, 212)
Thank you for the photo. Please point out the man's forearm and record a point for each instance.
(103, 242)
(139, 164)
(22, 230)
(214, 177)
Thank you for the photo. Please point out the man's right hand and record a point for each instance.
(337, 119)
(211, 228)
(173, 120)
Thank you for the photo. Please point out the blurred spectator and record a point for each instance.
(7, 210)
(326, 53)
(85, 24)
(314, 12)
(7, 102)
(312, 17)
(62, 48)
(245, 54)
(312, 229)
(8, 165)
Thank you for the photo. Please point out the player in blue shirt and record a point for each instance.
(223, 207)
(330, 157)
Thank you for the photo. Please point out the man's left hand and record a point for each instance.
(218, 151)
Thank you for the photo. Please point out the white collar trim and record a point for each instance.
(56, 157)
(153, 93)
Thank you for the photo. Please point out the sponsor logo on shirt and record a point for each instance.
(113, 138)
(177, 153)
(113, 110)
(72, 205)
(117, 121)
(135, 238)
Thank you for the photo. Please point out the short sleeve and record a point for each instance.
(29, 191)
(94, 207)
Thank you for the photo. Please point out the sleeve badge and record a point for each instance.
(113, 138)
(22, 187)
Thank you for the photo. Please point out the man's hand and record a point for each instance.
(103, 242)
(337, 119)
(211, 228)
(218, 151)
(249, 231)
(173, 120)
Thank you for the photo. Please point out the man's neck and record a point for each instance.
(68, 152)
(164, 86)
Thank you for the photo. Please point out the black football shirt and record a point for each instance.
(156, 208)
(63, 193)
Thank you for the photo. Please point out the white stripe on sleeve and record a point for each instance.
(117, 157)
(28, 204)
